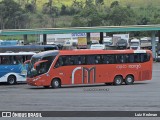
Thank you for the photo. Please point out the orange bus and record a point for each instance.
(56, 68)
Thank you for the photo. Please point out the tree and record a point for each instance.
(143, 21)
(89, 14)
(2, 15)
(76, 7)
(99, 2)
(34, 3)
(114, 4)
(12, 15)
(78, 21)
(121, 16)
(63, 10)
(50, 10)
(20, 20)
(30, 8)
(22, 3)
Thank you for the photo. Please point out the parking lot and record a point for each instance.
(142, 96)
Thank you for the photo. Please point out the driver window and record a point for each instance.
(59, 62)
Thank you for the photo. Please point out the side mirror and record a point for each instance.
(39, 62)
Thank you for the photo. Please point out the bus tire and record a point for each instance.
(11, 80)
(56, 83)
(129, 80)
(118, 80)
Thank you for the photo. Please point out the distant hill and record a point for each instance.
(132, 3)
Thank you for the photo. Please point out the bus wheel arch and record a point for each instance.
(118, 80)
(56, 83)
(11, 80)
(129, 80)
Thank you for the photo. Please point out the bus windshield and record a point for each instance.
(134, 43)
(41, 68)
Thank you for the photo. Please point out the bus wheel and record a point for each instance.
(118, 80)
(11, 80)
(129, 80)
(56, 83)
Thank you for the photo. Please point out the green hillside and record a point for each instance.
(32, 13)
(132, 3)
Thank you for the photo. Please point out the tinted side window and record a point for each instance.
(108, 59)
(78, 59)
(120, 59)
(137, 58)
(101, 59)
(105, 59)
(19, 59)
(98, 59)
(82, 59)
(59, 62)
(94, 59)
(5, 60)
(64, 61)
(145, 57)
(90, 59)
(129, 58)
(71, 60)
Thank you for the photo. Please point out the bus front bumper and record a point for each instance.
(34, 82)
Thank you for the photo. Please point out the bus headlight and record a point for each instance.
(35, 79)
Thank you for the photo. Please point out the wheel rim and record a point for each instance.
(56, 83)
(11, 80)
(129, 80)
(118, 81)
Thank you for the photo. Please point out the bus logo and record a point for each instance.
(84, 69)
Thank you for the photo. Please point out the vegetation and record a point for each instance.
(21, 14)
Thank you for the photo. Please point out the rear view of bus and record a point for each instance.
(12, 69)
(56, 68)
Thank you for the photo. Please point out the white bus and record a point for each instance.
(12, 69)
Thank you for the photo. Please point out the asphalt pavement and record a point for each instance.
(142, 96)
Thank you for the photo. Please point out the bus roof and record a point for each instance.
(47, 53)
(91, 51)
(86, 51)
(28, 48)
(18, 53)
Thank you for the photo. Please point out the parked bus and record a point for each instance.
(28, 48)
(9, 42)
(12, 69)
(56, 68)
